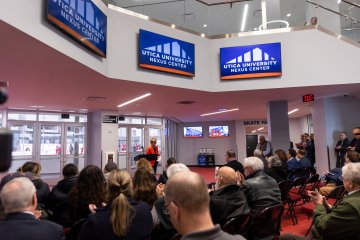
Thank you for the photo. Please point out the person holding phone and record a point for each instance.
(153, 149)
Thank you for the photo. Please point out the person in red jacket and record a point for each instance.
(153, 149)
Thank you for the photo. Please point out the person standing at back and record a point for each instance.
(232, 162)
(19, 200)
(340, 149)
(264, 146)
(187, 203)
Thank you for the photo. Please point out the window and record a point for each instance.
(24, 116)
(154, 121)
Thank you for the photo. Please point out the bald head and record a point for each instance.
(18, 195)
(189, 190)
(226, 175)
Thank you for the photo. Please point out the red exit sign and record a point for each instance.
(308, 98)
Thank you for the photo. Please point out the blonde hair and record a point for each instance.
(144, 163)
(119, 188)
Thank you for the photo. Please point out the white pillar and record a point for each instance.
(240, 140)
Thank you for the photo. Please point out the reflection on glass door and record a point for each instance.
(75, 146)
(122, 147)
(137, 144)
(23, 144)
(50, 150)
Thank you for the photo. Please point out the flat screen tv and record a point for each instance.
(218, 131)
(193, 132)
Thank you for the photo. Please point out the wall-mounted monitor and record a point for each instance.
(219, 131)
(193, 132)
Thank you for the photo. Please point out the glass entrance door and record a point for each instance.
(23, 144)
(75, 145)
(137, 146)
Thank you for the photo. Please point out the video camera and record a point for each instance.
(5, 136)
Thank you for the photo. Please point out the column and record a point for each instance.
(240, 140)
(278, 125)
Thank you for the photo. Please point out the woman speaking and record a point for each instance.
(153, 149)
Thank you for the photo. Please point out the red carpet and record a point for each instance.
(286, 224)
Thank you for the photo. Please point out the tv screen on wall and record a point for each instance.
(218, 131)
(193, 132)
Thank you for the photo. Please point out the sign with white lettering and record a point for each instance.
(166, 54)
(253, 61)
(255, 122)
(110, 119)
(81, 19)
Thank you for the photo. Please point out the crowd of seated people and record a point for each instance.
(112, 205)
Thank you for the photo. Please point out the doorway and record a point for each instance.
(251, 143)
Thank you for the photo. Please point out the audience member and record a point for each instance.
(163, 177)
(283, 157)
(309, 149)
(304, 162)
(110, 165)
(232, 162)
(340, 149)
(164, 229)
(301, 144)
(261, 190)
(187, 203)
(228, 201)
(19, 200)
(88, 194)
(276, 169)
(144, 187)
(42, 188)
(292, 163)
(355, 143)
(144, 163)
(123, 217)
(264, 146)
(59, 197)
(342, 220)
(333, 178)
(258, 154)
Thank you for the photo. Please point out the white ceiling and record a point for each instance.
(41, 76)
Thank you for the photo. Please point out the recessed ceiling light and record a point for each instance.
(288, 15)
(34, 106)
(134, 100)
(260, 128)
(339, 1)
(205, 25)
(253, 131)
(173, 26)
(225, 111)
(292, 111)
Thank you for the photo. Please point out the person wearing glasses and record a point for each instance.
(153, 149)
(342, 220)
(355, 143)
(187, 203)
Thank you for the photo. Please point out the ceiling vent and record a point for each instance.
(186, 102)
(95, 99)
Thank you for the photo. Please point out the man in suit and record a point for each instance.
(228, 201)
(342, 220)
(341, 148)
(19, 200)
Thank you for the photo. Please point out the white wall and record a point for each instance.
(311, 47)
(188, 148)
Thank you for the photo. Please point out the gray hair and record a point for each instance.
(351, 171)
(257, 152)
(17, 195)
(175, 168)
(275, 161)
(254, 163)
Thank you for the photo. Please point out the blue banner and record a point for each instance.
(83, 20)
(166, 54)
(253, 61)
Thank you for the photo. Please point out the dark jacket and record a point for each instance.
(163, 178)
(24, 226)
(355, 143)
(59, 201)
(165, 230)
(226, 203)
(293, 163)
(98, 225)
(334, 176)
(261, 191)
(278, 173)
(304, 162)
(42, 192)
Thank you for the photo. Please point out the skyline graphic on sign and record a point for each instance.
(255, 55)
(174, 50)
(166, 54)
(83, 20)
(253, 61)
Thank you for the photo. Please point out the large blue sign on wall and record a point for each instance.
(253, 61)
(166, 54)
(83, 20)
